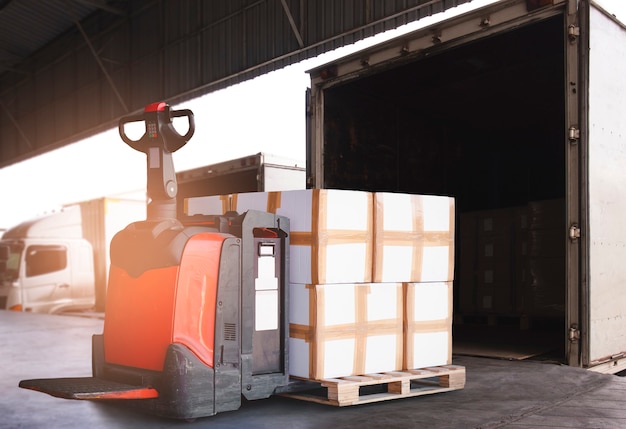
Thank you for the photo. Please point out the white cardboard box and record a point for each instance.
(345, 329)
(413, 238)
(209, 205)
(331, 232)
(428, 324)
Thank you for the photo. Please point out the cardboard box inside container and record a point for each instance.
(546, 287)
(546, 243)
(345, 329)
(484, 299)
(496, 272)
(499, 262)
(547, 214)
(466, 291)
(521, 218)
(497, 276)
(494, 247)
(466, 244)
(413, 238)
(495, 222)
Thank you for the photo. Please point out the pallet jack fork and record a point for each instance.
(196, 312)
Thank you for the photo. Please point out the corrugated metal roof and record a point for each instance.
(72, 68)
(28, 25)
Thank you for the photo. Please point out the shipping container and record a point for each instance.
(515, 110)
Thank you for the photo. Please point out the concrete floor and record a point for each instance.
(498, 393)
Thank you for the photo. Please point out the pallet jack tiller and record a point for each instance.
(196, 309)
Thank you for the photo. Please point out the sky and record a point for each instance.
(265, 114)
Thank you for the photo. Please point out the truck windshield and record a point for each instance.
(10, 260)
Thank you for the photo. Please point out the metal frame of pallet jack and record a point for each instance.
(187, 388)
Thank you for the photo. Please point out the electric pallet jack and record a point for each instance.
(196, 310)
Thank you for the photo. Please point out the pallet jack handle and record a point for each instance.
(158, 142)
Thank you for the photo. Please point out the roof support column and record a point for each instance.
(17, 125)
(294, 28)
(99, 61)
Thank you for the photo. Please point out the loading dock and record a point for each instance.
(499, 393)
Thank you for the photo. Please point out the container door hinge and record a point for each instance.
(574, 333)
(574, 232)
(573, 134)
(573, 32)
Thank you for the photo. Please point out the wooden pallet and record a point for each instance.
(365, 389)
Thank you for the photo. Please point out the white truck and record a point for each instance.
(516, 110)
(59, 262)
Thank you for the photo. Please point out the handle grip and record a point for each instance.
(158, 142)
(159, 128)
(126, 120)
(190, 120)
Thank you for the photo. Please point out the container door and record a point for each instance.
(574, 84)
(604, 235)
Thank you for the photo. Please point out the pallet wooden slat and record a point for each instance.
(346, 391)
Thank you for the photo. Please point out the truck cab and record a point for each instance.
(46, 274)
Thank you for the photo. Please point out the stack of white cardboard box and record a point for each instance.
(514, 258)
(370, 277)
